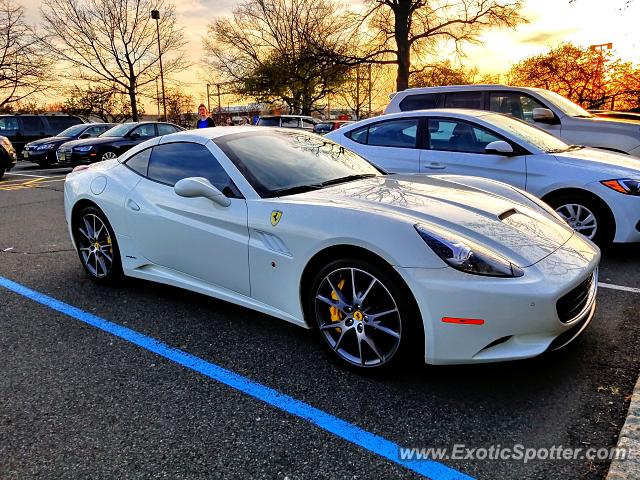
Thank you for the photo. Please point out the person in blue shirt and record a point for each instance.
(205, 121)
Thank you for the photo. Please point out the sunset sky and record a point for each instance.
(583, 22)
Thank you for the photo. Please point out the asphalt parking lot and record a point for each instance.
(77, 402)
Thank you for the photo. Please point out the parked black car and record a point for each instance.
(21, 129)
(43, 151)
(8, 157)
(112, 143)
(288, 121)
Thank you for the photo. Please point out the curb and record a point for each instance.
(629, 440)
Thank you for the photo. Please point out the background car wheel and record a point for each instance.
(364, 314)
(585, 215)
(108, 155)
(97, 246)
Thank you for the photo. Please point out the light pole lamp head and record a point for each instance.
(155, 14)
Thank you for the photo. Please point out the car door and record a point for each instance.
(390, 144)
(194, 236)
(455, 146)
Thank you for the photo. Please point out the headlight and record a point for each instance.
(45, 146)
(86, 148)
(466, 256)
(628, 186)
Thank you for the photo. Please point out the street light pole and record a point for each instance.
(155, 15)
(208, 99)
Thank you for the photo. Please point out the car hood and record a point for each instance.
(42, 141)
(92, 141)
(511, 225)
(608, 162)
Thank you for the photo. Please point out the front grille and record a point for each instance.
(569, 306)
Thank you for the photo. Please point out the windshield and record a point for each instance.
(119, 130)
(565, 105)
(528, 133)
(275, 161)
(72, 131)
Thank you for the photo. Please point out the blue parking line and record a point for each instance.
(341, 428)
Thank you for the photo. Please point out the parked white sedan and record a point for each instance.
(293, 225)
(597, 192)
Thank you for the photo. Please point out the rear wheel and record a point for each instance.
(586, 216)
(363, 313)
(97, 246)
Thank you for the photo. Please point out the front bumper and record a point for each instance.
(520, 315)
(71, 158)
(626, 212)
(39, 155)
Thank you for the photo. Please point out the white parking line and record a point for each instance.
(619, 287)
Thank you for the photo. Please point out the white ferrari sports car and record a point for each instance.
(288, 223)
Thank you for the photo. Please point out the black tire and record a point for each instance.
(357, 320)
(605, 224)
(102, 243)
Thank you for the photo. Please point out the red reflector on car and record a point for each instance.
(463, 321)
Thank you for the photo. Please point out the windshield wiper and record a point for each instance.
(575, 147)
(582, 115)
(348, 178)
(293, 190)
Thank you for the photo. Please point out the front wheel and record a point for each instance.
(585, 216)
(97, 246)
(363, 314)
(108, 155)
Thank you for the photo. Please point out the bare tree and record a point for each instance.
(24, 66)
(267, 50)
(103, 102)
(113, 42)
(397, 31)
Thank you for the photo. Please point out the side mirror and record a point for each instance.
(200, 187)
(85, 135)
(499, 147)
(134, 136)
(543, 115)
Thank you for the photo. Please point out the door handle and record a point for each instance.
(435, 166)
(133, 205)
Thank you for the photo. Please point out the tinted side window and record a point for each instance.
(515, 104)
(97, 130)
(60, 123)
(290, 123)
(8, 123)
(164, 129)
(359, 134)
(139, 162)
(171, 162)
(464, 100)
(394, 133)
(307, 123)
(269, 122)
(419, 102)
(32, 124)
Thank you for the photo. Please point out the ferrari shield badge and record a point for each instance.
(276, 215)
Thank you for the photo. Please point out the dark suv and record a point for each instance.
(22, 129)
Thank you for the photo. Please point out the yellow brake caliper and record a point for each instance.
(336, 314)
(109, 242)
